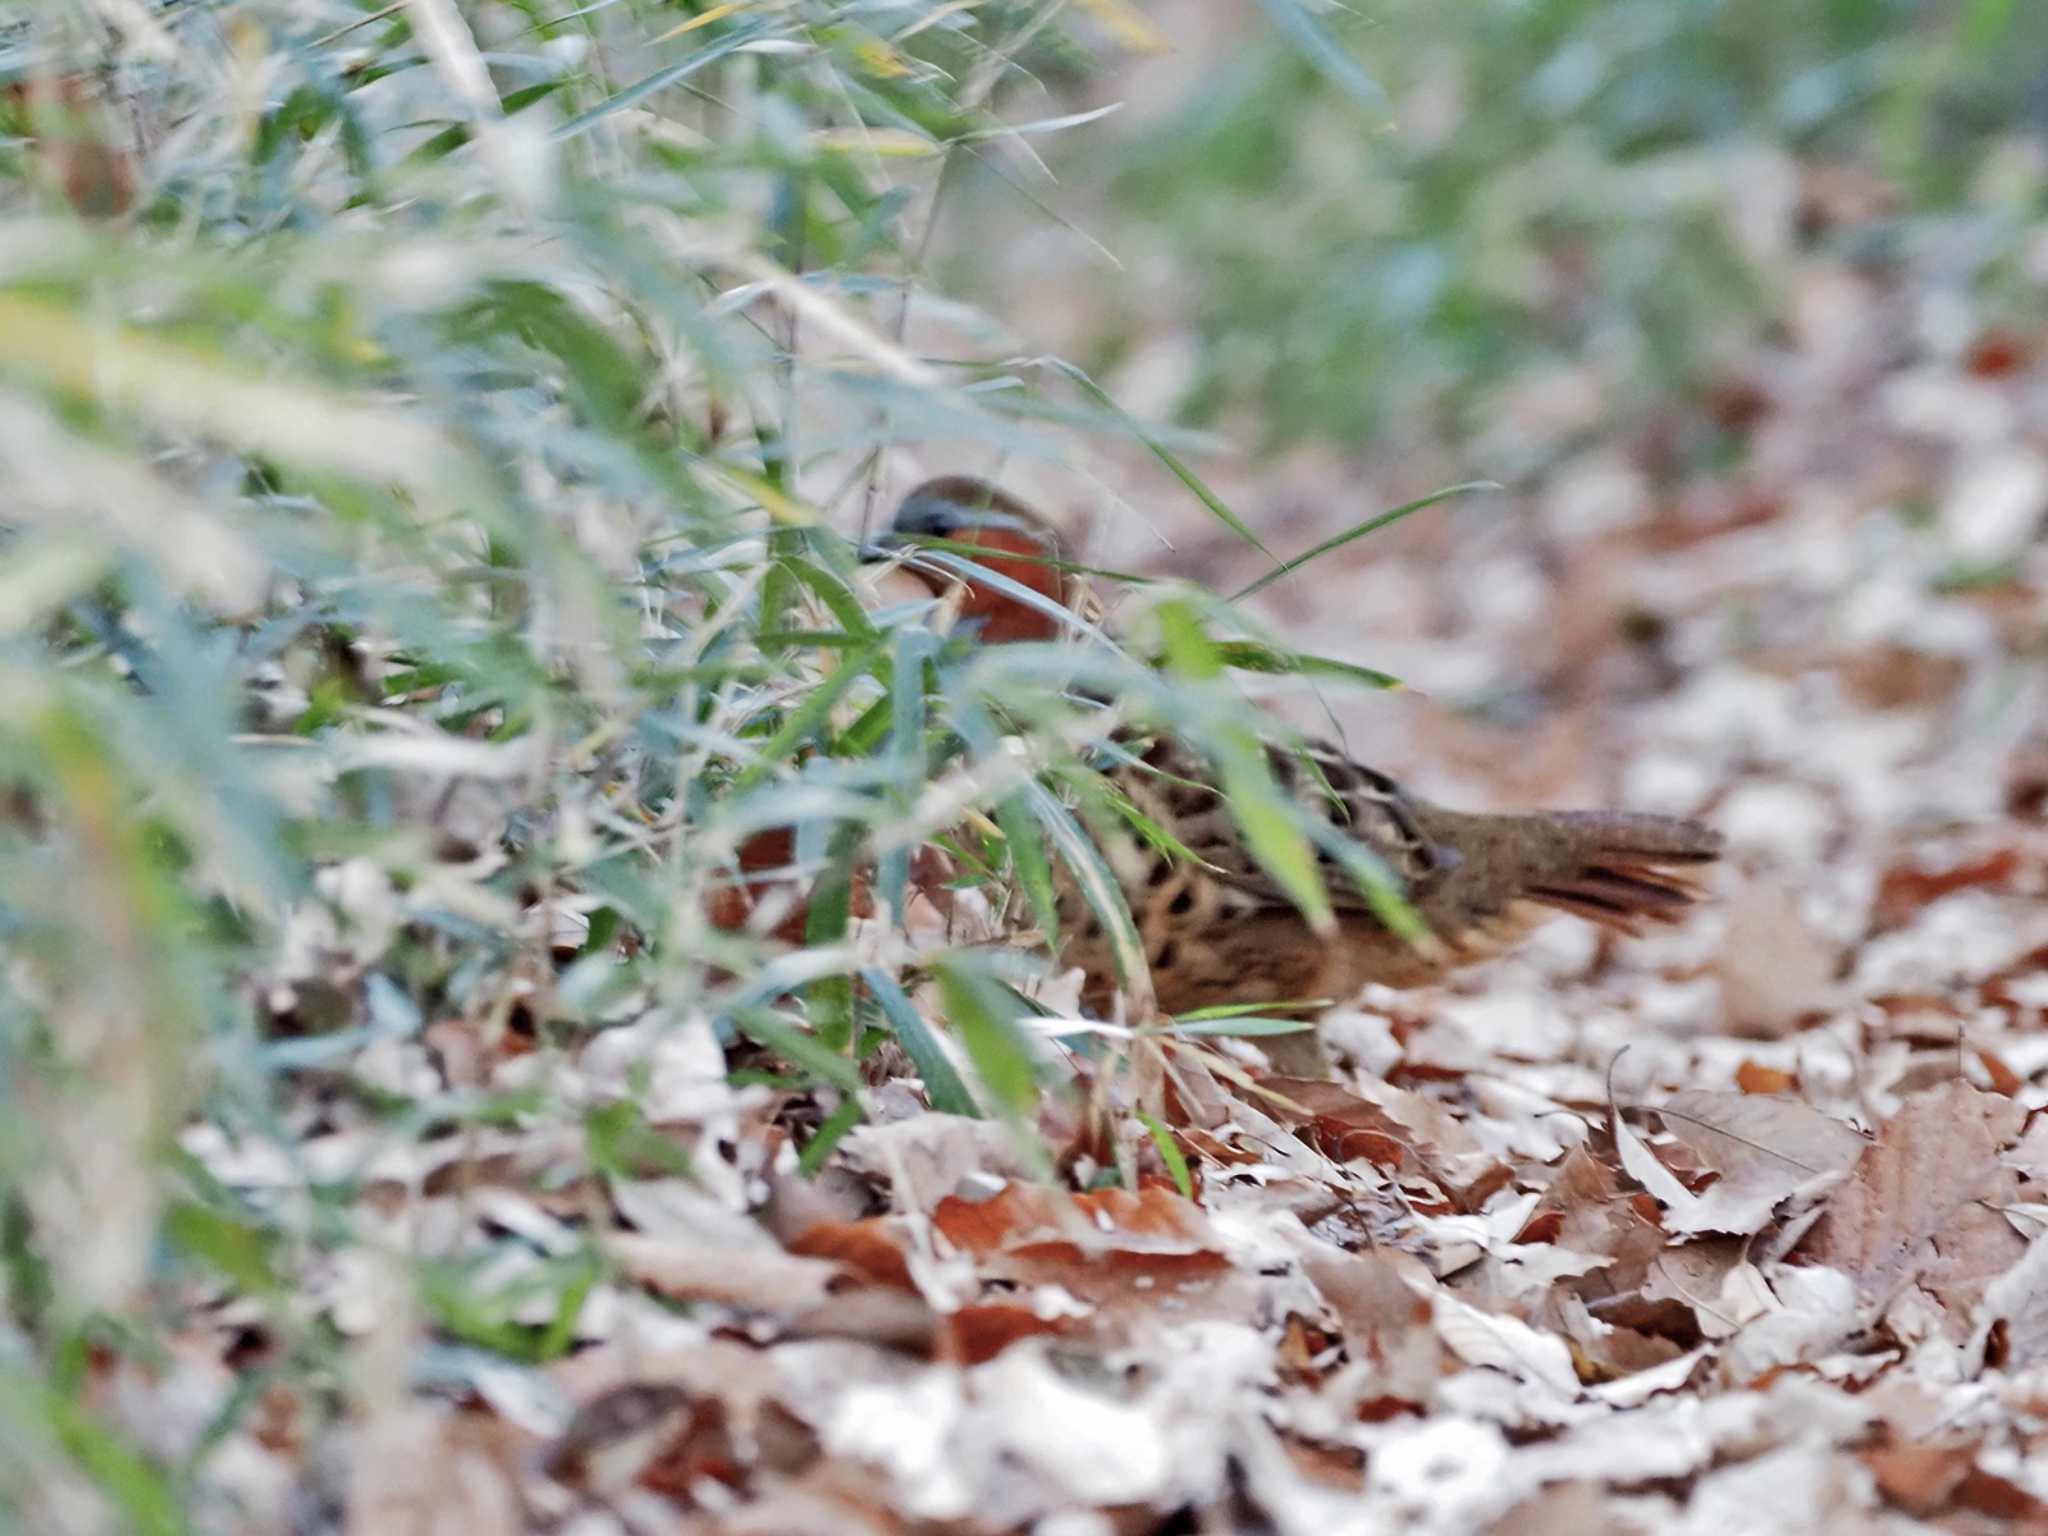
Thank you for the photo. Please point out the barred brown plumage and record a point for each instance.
(1217, 929)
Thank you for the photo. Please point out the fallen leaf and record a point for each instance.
(2014, 1313)
(1906, 888)
(1754, 1077)
(1111, 1233)
(1763, 1149)
(764, 1279)
(1922, 1202)
(869, 1247)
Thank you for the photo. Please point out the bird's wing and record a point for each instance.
(1171, 783)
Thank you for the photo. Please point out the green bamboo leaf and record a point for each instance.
(1271, 825)
(143, 1495)
(1253, 656)
(839, 599)
(1001, 1054)
(1170, 1154)
(1097, 882)
(1181, 472)
(829, 1000)
(914, 648)
(1014, 814)
(661, 79)
(243, 1253)
(981, 576)
(798, 1047)
(1247, 1026)
(977, 551)
(829, 1135)
(1270, 822)
(1240, 1010)
(942, 1085)
(1306, 34)
(1370, 525)
(808, 718)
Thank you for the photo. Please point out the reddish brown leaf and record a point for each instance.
(1928, 1479)
(2026, 782)
(1997, 354)
(1919, 1476)
(1754, 1077)
(75, 148)
(868, 1248)
(2003, 1079)
(978, 1333)
(1922, 1203)
(1906, 888)
(1152, 1230)
(761, 858)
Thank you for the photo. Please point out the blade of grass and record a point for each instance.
(1000, 1053)
(1174, 463)
(829, 1135)
(799, 1048)
(1370, 525)
(1170, 1154)
(1306, 34)
(1246, 1026)
(1251, 656)
(808, 718)
(1239, 1010)
(942, 1085)
(1033, 869)
(1262, 811)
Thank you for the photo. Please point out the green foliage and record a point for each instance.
(1349, 260)
(423, 432)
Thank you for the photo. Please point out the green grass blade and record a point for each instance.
(942, 1085)
(1173, 462)
(1170, 1154)
(1370, 525)
(1307, 35)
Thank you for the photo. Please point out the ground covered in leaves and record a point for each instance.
(1739, 1227)
(472, 1221)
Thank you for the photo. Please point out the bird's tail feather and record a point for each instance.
(1623, 870)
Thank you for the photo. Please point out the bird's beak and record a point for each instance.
(886, 547)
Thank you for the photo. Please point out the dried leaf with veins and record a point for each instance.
(1923, 1205)
(1762, 1151)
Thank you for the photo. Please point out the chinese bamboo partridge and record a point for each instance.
(1215, 928)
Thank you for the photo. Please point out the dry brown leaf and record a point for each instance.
(1404, 1133)
(1777, 971)
(1922, 1203)
(647, 1432)
(1906, 888)
(2014, 1316)
(1755, 1077)
(764, 1279)
(1154, 1231)
(1763, 1149)
(981, 1332)
(1928, 1478)
(870, 1247)
(1385, 1322)
(1585, 1209)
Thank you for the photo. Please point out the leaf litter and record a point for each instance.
(1741, 1226)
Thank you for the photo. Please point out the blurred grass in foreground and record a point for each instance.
(420, 431)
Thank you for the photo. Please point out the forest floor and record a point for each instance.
(1734, 1227)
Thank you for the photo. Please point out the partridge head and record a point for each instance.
(1001, 535)
(1216, 929)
